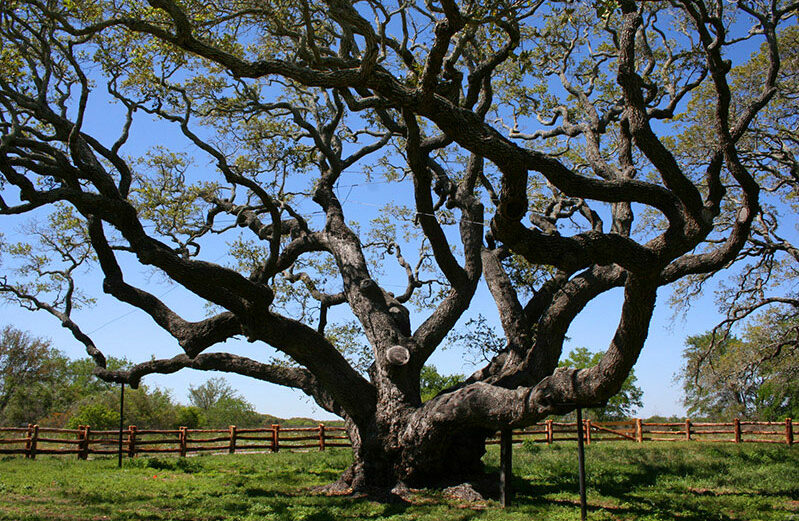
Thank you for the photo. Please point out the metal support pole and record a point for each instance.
(121, 418)
(581, 464)
(505, 465)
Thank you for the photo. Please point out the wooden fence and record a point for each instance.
(83, 441)
(32, 440)
(636, 430)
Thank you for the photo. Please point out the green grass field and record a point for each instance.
(681, 481)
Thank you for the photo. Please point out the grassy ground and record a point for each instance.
(626, 482)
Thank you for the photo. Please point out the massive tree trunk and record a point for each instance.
(441, 442)
(393, 457)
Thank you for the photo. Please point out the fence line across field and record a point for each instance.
(637, 430)
(83, 441)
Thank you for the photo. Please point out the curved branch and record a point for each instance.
(498, 407)
(293, 377)
(66, 320)
(193, 337)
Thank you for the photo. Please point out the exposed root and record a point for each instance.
(349, 485)
(464, 492)
(476, 489)
(341, 487)
(337, 488)
(473, 488)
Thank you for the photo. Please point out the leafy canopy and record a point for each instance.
(755, 376)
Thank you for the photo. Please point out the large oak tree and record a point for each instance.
(541, 129)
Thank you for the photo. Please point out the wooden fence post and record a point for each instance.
(639, 430)
(789, 431)
(581, 464)
(275, 437)
(79, 437)
(131, 441)
(87, 441)
(321, 436)
(182, 439)
(550, 437)
(505, 466)
(688, 429)
(587, 431)
(84, 442)
(28, 436)
(736, 425)
(34, 439)
(232, 448)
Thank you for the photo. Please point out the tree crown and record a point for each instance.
(526, 137)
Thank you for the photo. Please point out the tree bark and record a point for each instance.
(392, 458)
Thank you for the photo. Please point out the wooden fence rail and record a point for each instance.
(84, 441)
(637, 430)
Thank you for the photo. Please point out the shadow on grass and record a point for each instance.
(332, 509)
(349, 511)
(621, 495)
(263, 493)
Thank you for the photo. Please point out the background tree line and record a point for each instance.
(40, 384)
(753, 374)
